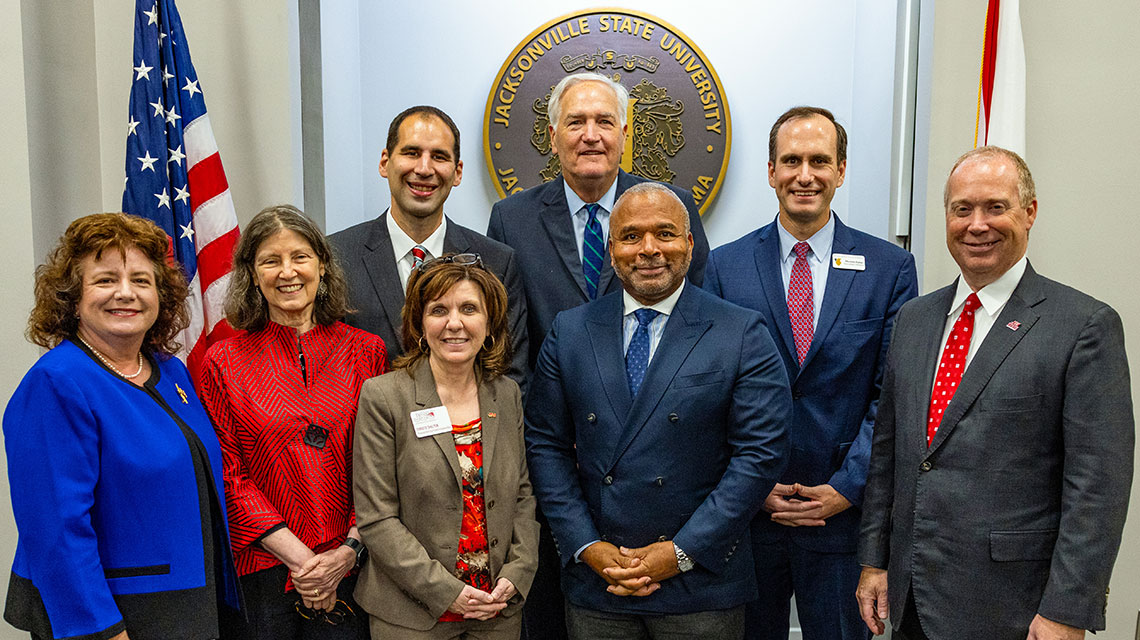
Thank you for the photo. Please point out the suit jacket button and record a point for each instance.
(494, 542)
(591, 418)
(797, 395)
(925, 466)
(491, 505)
(674, 417)
(661, 538)
(608, 480)
(660, 481)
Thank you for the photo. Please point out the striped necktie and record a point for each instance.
(419, 252)
(801, 301)
(593, 250)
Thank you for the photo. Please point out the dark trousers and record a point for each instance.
(272, 615)
(824, 586)
(589, 624)
(543, 615)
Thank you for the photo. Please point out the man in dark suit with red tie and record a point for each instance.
(1002, 456)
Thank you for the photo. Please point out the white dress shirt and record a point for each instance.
(656, 326)
(819, 261)
(993, 298)
(402, 245)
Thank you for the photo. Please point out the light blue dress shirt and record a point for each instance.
(819, 261)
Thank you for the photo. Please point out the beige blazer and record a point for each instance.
(409, 501)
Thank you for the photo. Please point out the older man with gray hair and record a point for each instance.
(558, 232)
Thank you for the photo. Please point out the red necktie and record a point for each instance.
(418, 255)
(801, 302)
(951, 367)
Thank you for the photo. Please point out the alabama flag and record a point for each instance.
(1000, 118)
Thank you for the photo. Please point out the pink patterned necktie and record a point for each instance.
(951, 367)
(801, 301)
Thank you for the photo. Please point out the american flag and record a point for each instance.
(174, 172)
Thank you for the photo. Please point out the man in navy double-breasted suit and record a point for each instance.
(830, 312)
(655, 425)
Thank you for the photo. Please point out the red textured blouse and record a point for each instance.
(263, 390)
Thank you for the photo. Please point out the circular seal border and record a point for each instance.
(708, 200)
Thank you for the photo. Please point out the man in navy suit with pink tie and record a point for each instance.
(829, 295)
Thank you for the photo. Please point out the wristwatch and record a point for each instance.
(358, 548)
(684, 562)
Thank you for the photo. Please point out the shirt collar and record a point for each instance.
(994, 295)
(575, 203)
(820, 242)
(664, 307)
(402, 243)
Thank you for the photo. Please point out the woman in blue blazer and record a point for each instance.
(114, 467)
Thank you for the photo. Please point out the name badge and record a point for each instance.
(848, 261)
(430, 422)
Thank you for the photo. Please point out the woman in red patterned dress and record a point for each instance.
(443, 497)
(282, 394)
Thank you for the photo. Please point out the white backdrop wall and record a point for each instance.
(769, 56)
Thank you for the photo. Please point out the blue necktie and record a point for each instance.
(593, 250)
(637, 355)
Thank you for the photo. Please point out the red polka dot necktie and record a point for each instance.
(801, 301)
(419, 253)
(951, 367)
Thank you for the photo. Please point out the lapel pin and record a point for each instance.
(492, 414)
(1014, 326)
(181, 393)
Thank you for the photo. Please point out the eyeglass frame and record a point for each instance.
(461, 259)
(309, 613)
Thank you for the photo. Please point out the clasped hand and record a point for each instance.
(476, 604)
(797, 505)
(317, 579)
(632, 572)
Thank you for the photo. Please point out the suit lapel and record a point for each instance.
(427, 397)
(555, 217)
(489, 414)
(455, 239)
(834, 292)
(604, 327)
(683, 329)
(382, 273)
(606, 280)
(767, 258)
(996, 346)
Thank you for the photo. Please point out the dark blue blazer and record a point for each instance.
(690, 459)
(536, 224)
(835, 394)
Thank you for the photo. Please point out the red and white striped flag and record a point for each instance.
(1000, 117)
(174, 172)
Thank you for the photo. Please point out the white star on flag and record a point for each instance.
(176, 155)
(142, 70)
(158, 109)
(171, 116)
(182, 195)
(163, 198)
(147, 162)
(152, 15)
(191, 87)
(187, 232)
(161, 35)
(132, 124)
(165, 76)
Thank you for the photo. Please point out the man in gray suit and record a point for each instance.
(1002, 454)
(421, 163)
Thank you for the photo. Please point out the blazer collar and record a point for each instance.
(834, 292)
(426, 396)
(766, 256)
(996, 346)
(555, 217)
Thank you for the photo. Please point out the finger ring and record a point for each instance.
(317, 592)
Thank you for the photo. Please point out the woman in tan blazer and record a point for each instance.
(443, 499)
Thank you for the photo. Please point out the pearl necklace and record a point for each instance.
(104, 360)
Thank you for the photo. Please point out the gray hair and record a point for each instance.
(554, 105)
(649, 188)
(1026, 190)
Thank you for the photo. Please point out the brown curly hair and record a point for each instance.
(431, 284)
(59, 280)
(246, 308)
